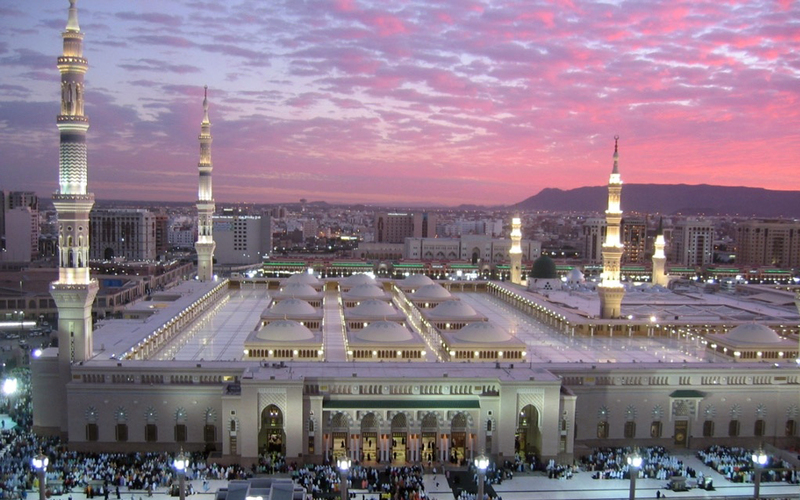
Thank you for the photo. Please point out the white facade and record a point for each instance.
(19, 224)
(468, 248)
(692, 243)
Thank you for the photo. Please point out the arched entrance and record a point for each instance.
(458, 438)
(340, 435)
(528, 439)
(271, 436)
(430, 431)
(399, 438)
(108, 253)
(370, 428)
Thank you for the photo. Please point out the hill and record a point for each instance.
(670, 199)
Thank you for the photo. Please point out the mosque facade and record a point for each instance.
(389, 371)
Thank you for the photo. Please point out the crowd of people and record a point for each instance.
(736, 464)
(399, 482)
(612, 463)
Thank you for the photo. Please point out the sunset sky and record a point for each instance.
(407, 101)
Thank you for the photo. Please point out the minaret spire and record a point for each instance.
(611, 290)
(205, 244)
(659, 258)
(515, 252)
(74, 291)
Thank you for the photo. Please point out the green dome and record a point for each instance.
(544, 268)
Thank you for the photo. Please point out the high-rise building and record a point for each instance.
(594, 233)
(127, 233)
(162, 233)
(205, 201)
(768, 243)
(610, 289)
(395, 227)
(75, 290)
(29, 237)
(19, 223)
(242, 239)
(692, 243)
(634, 239)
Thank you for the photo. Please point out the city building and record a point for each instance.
(768, 243)
(23, 242)
(126, 233)
(692, 243)
(634, 240)
(242, 239)
(594, 233)
(395, 227)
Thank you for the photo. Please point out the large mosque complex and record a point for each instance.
(402, 370)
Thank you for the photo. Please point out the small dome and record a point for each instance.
(358, 279)
(305, 278)
(384, 331)
(373, 308)
(292, 307)
(298, 290)
(285, 330)
(575, 276)
(544, 268)
(483, 332)
(365, 291)
(453, 309)
(416, 281)
(753, 333)
(433, 291)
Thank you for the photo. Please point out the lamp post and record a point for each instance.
(481, 463)
(180, 463)
(39, 463)
(759, 460)
(9, 388)
(634, 463)
(344, 465)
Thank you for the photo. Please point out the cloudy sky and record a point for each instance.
(407, 101)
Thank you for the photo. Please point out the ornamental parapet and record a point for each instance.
(89, 197)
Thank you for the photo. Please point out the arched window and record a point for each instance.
(630, 429)
(602, 430)
(656, 429)
(708, 428)
(733, 428)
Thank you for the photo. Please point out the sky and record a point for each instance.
(419, 102)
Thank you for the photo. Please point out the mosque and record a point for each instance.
(399, 370)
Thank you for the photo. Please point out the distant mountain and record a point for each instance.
(671, 199)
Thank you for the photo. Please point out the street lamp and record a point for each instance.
(481, 463)
(759, 460)
(39, 463)
(344, 465)
(634, 463)
(180, 463)
(10, 386)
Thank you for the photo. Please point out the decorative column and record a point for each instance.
(610, 289)
(659, 258)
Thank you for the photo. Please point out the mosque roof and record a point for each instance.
(290, 307)
(544, 268)
(372, 308)
(305, 278)
(415, 281)
(575, 276)
(384, 331)
(358, 279)
(298, 290)
(482, 332)
(454, 309)
(432, 291)
(365, 292)
(284, 330)
(753, 333)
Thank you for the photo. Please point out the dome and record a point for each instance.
(358, 279)
(373, 308)
(753, 333)
(416, 281)
(432, 291)
(384, 331)
(483, 332)
(305, 278)
(575, 276)
(365, 291)
(292, 307)
(453, 309)
(285, 330)
(544, 268)
(298, 290)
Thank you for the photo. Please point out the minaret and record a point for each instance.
(659, 258)
(611, 289)
(205, 201)
(515, 252)
(74, 292)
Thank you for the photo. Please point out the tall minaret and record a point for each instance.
(611, 289)
(659, 258)
(205, 201)
(515, 252)
(74, 291)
